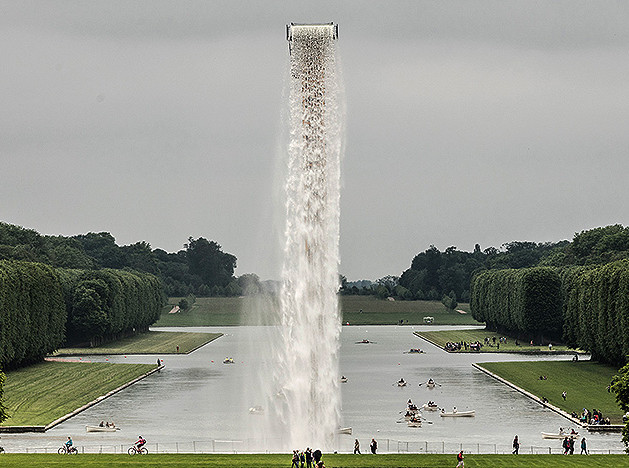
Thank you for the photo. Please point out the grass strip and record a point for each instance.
(585, 383)
(357, 310)
(39, 394)
(440, 338)
(331, 461)
(152, 342)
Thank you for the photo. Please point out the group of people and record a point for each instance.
(591, 417)
(307, 458)
(69, 445)
(106, 424)
(568, 445)
(373, 446)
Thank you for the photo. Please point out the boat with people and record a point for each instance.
(228, 360)
(414, 422)
(256, 410)
(430, 406)
(563, 433)
(457, 414)
(430, 383)
(343, 379)
(415, 351)
(365, 341)
(401, 383)
(110, 428)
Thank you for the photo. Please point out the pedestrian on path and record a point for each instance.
(516, 445)
(459, 457)
(584, 447)
(356, 447)
(373, 446)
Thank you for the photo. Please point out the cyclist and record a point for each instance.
(140, 443)
(69, 445)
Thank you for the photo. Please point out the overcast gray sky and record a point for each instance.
(468, 122)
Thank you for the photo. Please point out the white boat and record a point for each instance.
(256, 410)
(458, 414)
(560, 435)
(416, 423)
(428, 407)
(343, 379)
(228, 360)
(101, 429)
(345, 430)
(401, 383)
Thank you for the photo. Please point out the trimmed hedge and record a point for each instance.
(525, 302)
(585, 306)
(106, 304)
(596, 310)
(32, 312)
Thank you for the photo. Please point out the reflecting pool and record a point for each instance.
(197, 403)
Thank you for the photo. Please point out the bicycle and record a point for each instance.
(64, 450)
(133, 450)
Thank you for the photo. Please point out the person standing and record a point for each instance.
(459, 458)
(308, 457)
(563, 395)
(373, 446)
(356, 447)
(516, 445)
(584, 447)
(302, 459)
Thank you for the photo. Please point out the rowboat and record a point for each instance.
(101, 429)
(345, 430)
(343, 379)
(228, 360)
(401, 384)
(561, 435)
(430, 407)
(458, 414)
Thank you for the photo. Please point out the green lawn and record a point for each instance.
(331, 461)
(585, 383)
(152, 342)
(442, 337)
(41, 393)
(225, 311)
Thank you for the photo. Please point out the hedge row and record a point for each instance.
(524, 302)
(107, 303)
(585, 307)
(32, 312)
(41, 307)
(596, 310)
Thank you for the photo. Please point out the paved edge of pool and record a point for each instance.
(22, 429)
(610, 428)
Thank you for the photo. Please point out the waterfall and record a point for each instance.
(306, 356)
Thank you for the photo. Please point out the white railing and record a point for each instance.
(253, 446)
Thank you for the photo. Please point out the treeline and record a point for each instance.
(41, 308)
(525, 303)
(435, 275)
(200, 268)
(32, 313)
(587, 307)
(103, 305)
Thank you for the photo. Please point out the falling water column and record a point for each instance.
(310, 328)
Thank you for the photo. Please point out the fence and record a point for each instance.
(253, 446)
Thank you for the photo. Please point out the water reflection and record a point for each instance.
(197, 398)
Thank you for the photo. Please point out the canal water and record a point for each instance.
(197, 403)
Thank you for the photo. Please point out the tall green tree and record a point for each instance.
(620, 386)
